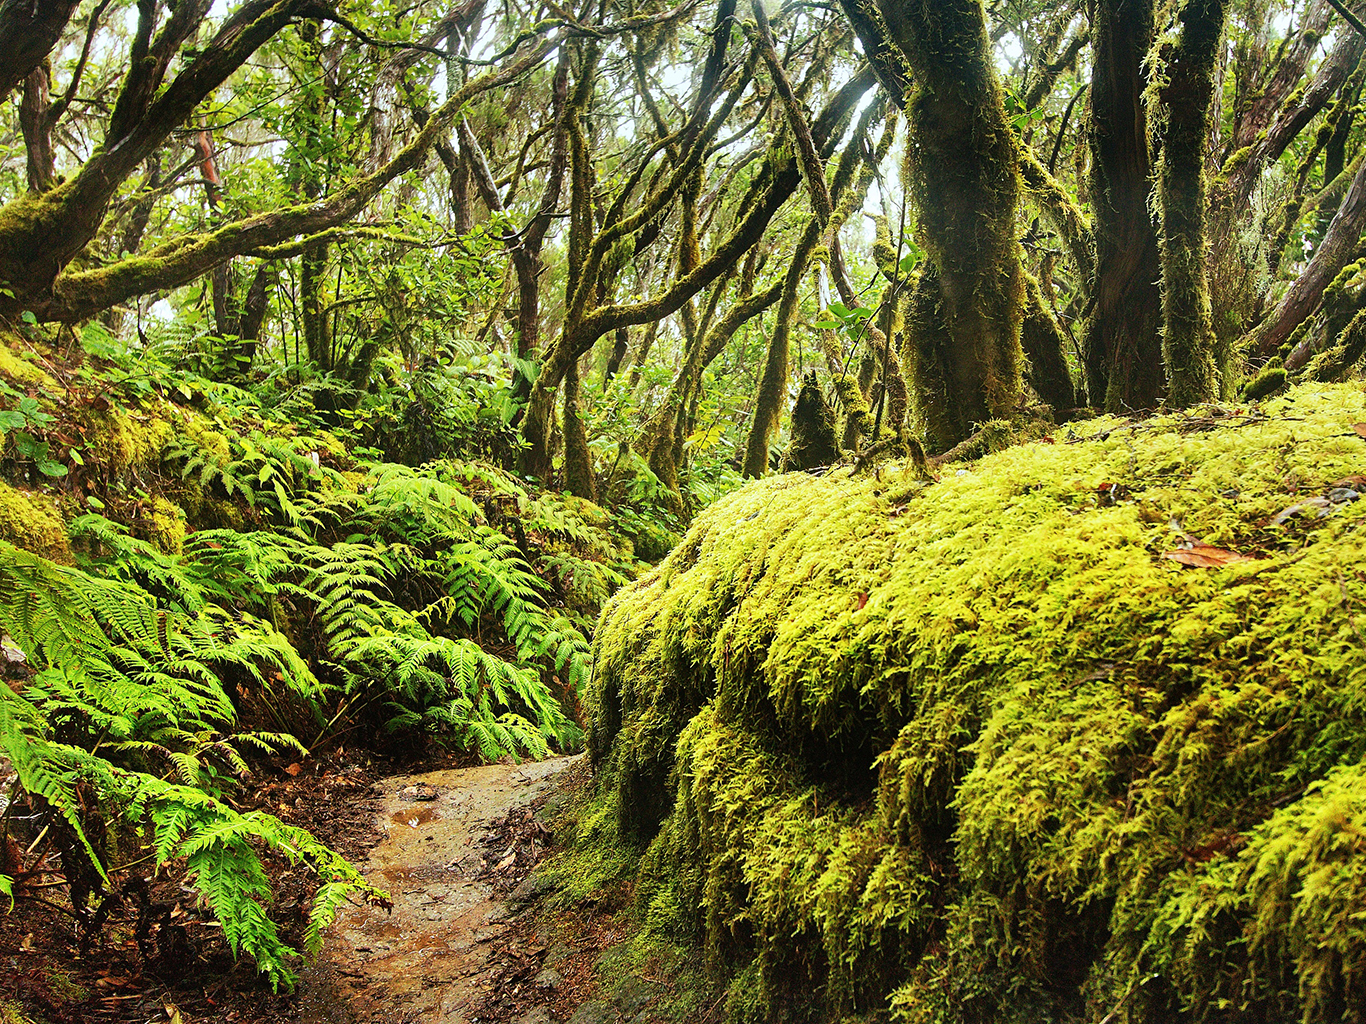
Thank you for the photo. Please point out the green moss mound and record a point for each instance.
(34, 522)
(983, 750)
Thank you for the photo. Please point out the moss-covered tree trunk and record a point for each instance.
(964, 179)
(1183, 109)
(1045, 345)
(772, 392)
(578, 461)
(1122, 347)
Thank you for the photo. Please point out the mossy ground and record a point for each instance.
(977, 751)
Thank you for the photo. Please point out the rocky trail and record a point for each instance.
(457, 849)
(435, 956)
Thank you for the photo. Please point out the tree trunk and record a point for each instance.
(1045, 344)
(312, 309)
(1184, 104)
(1122, 346)
(578, 462)
(36, 125)
(964, 180)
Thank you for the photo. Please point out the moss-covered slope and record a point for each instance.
(977, 751)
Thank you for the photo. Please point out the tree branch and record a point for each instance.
(82, 294)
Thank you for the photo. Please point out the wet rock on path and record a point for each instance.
(432, 959)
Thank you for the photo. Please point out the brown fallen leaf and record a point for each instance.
(1360, 428)
(1205, 556)
(294, 769)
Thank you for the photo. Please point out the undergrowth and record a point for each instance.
(209, 585)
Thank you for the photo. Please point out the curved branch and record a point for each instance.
(82, 294)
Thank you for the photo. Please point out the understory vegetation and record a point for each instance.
(210, 580)
(1074, 730)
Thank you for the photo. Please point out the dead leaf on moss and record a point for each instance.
(1360, 428)
(1205, 556)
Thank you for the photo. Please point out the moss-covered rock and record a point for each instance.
(32, 521)
(988, 750)
(128, 442)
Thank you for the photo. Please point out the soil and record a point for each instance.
(466, 941)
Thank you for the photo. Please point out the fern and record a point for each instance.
(128, 696)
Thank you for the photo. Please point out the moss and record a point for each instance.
(164, 525)
(19, 371)
(127, 443)
(11, 1013)
(856, 411)
(1265, 384)
(32, 521)
(978, 751)
(814, 441)
(204, 437)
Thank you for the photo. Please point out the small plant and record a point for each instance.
(23, 423)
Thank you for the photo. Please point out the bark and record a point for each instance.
(1063, 214)
(36, 126)
(772, 390)
(621, 341)
(1045, 345)
(28, 32)
(1268, 137)
(1122, 346)
(1259, 104)
(312, 308)
(772, 393)
(524, 247)
(585, 324)
(1187, 329)
(1265, 142)
(141, 215)
(964, 178)
(248, 314)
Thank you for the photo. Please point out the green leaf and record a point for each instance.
(828, 325)
(11, 420)
(29, 317)
(839, 309)
(48, 467)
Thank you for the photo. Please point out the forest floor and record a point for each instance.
(467, 940)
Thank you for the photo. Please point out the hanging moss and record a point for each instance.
(975, 750)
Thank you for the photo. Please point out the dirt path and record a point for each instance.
(434, 957)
